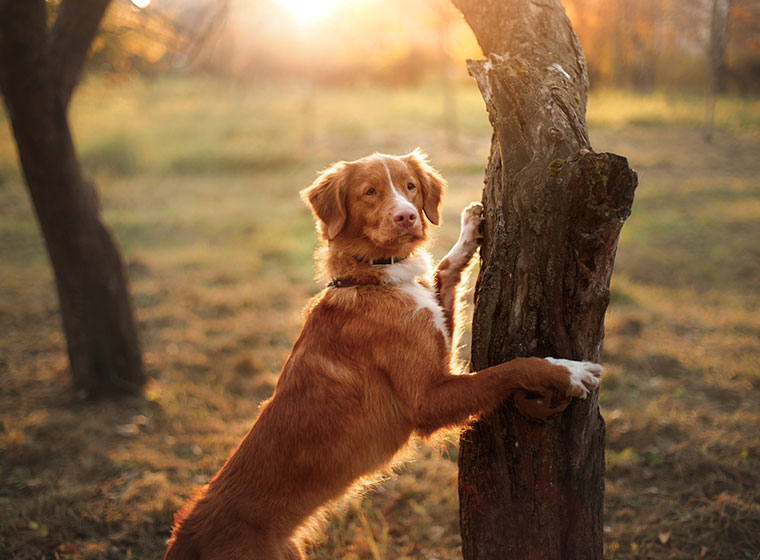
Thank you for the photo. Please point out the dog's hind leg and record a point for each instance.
(253, 546)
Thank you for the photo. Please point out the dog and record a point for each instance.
(370, 368)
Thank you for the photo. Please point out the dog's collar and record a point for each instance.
(387, 260)
(349, 283)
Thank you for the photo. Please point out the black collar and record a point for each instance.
(387, 260)
(344, 283)
(350, 282)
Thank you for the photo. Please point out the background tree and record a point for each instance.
(39, 69)
(716, 61)
(553, 211)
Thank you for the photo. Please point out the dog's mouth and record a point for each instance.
(397, 248)
(410, 235)
(389, 237)
(398, 238)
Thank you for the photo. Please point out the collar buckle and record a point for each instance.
(386, 260)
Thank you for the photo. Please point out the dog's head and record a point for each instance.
(376, 207)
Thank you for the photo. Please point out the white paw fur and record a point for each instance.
(584, 376)
(472, 216)
(469, 236)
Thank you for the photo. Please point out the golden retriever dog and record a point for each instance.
(370, 368)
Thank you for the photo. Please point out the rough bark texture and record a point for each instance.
(553, 212)
(37, 75)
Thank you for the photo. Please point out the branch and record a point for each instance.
(73, 31)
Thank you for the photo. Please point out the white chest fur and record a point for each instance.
(404, 275)
(425, 299)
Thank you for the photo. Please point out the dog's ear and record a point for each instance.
(326, 197)
(432, 183)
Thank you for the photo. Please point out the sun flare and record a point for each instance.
(307, 11)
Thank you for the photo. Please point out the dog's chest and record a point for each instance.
(424, 298)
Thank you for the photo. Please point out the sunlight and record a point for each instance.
(141, 3)
(307, 11)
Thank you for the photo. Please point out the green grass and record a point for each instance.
(200, 180)
(619, 108)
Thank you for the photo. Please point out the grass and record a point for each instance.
(615, 108)
(200, 181)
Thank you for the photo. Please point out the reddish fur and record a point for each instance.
(368, 370)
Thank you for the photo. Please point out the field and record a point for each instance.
(200, 179)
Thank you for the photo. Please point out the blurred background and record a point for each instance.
(643, 45)
(201, 120)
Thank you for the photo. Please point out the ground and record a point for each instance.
(200, 181)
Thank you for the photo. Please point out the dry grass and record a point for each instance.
(200, 184)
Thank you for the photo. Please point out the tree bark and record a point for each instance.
(37, 77)
(553, 212)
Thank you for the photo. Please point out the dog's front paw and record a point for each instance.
(472, 216)
(469, 240)
(471, 235)
(584, 376)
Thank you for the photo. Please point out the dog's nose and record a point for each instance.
(405, 218)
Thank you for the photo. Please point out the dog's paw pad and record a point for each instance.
(584, 376)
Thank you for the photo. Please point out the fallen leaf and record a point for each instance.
(664, 537)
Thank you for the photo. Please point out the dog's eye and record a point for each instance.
(410, 187)
(371, 191)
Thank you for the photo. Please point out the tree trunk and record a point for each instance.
(36, 79)
(553, 212)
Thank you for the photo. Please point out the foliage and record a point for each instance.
(219, 258)
(644, 44)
